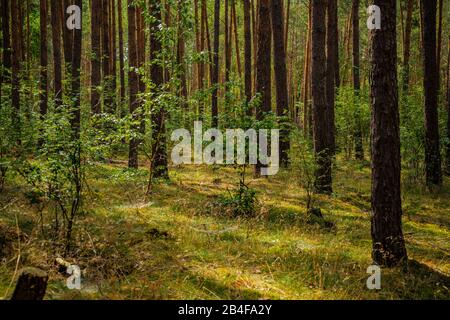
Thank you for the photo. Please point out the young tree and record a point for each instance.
(43, 94)
(322, 148)
(387, 237)
(133, 82)
(159, 165)
(56, 18)
(281, 77)
(263, 65)
(96, 56)
(433, 168)
(215, 71)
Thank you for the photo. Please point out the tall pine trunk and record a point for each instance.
(359, 150)
(387, 237)
(6, 41)
(121, 51)
(215, 71)
(96, 56)
(281, 78)
(263, 65)
(57, 54)
(332, 67)
(432, 146)
(322, 149)
(43, 93)
(158, 166)
(133, 82)
(76, 76)
(448, 111)
(407, 45)
(247, 55)
(15, 68)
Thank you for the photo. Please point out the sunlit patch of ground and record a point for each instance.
(173, 244)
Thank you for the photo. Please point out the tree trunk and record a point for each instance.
(181, 48)
(359, 151)
(306, 75)
(263, 65)
(236, 38)
(158, 166)
(388, 243)
(96, 56)
(57, 54)
(281, 78)
(106, 58)
(76, 76)
(322, 149)
(332, 66)
(31, 285)
(227, 53)
(15, 68)
(247, 55)
(121, 51)
(43, 95)
(133, 81)
(215, 73)
(113, 56)
(432, 145)
(407, 45)
(67, 37)
(439, 44)
(6, 41)
(448, 111)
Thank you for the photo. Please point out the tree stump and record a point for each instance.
(31, 285)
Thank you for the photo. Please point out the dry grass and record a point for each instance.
(174, 245)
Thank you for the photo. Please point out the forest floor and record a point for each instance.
(175, 245)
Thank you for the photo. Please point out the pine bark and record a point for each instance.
(387, 237)
(263, 65)
(247, 54)
(133, 82)
(407, 45)
(332, 67)
(121, 51)
(96, 56)
(6, 40)
(56, 18)
(43, 93)
(76, 76)
(281, 78)
(159, 165)
(67, 37)
(215, 72)
(15, 68)
(322, 149)
(359, 150)
(433, 168)
(448, 111)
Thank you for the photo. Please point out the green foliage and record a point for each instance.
(352, 113)
(241, 202)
